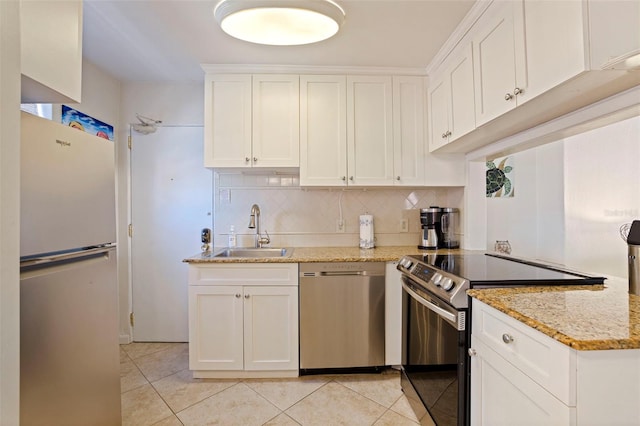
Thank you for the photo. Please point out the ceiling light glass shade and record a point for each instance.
(279, 22)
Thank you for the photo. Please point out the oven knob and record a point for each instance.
(407, 263)
(447, 284)
(436, 278)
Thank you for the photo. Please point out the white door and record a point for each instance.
(171, 201)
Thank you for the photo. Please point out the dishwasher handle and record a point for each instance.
(341, 274)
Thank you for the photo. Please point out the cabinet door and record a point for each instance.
(215, 328)
(495, 62)
(462, 118)
(502, 395)
(51, 51)
(227, 125)
(276, 121)
(271, 328)
(439, 113)
(369, 130)
(408, 130)
(323, 130)
(555, 45)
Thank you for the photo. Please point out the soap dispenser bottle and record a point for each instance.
(232, 236)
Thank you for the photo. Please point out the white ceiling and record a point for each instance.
(167, 40)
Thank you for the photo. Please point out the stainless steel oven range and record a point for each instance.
(436, 323)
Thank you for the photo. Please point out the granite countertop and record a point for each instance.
(324, 254)
(585, 318)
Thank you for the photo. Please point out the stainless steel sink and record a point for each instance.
(249, 252)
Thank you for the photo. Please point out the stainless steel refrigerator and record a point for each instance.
(69, 353)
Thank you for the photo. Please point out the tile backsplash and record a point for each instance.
(307, 217)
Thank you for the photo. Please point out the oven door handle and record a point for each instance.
(447, 316)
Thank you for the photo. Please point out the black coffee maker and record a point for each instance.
(430, 219)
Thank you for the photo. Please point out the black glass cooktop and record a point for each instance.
(488, 269)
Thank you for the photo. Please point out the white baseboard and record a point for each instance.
(125, 339)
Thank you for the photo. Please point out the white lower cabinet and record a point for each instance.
(520, 376)
(243, 320)
(503, 395)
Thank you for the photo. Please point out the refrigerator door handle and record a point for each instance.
(68, 257)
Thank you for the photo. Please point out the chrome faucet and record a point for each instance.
(254, 222)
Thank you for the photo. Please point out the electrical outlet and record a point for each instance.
(340, 225)
(404, 225)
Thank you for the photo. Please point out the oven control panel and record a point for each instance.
(445, 285)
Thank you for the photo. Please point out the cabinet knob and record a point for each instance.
(247, 159)
(344, 178)
(507, 338)
(508, 97)
(518, 91)
(444, 136)
(471, 352)
(351, 178)
(246, 296)
(448, 133)
(255, 159)
(397, 177)
(238, 295)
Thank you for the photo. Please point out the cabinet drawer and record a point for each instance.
(546, 361)
(502, 395)
(244, 273)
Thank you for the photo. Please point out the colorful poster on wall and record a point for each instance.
(500, 178)
(84, 122)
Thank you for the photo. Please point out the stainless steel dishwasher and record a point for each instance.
(341, 315)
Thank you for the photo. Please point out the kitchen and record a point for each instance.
(182, 104)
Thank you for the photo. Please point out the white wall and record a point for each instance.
(295, 216)
(572, 196)
(9, 212)
(602, 192)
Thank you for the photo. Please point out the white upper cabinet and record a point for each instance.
(51, 51)
(251, 121)
(554, 44)
(499, 65)
(614, 32)
(369, 130)
(227, 111)
(408, 130)
(323, 130)
(451, 105)
(276, 121)
(534, 61)
(361, 130)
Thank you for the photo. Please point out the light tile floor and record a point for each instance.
(158, 389)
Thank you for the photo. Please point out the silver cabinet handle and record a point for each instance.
(247, 159)
(255, 159)
(238, 295)
(246, 296)
(344, 178)
(508, 97)
(507, 338)
(471, 352)
(397, 177)
(351, 178)
(444, 136)
(518, 91)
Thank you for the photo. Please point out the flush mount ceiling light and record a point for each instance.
(279, 22)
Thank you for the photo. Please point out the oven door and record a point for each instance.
(435, 370)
